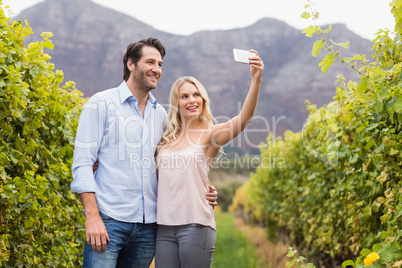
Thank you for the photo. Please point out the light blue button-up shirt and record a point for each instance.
(112, 129)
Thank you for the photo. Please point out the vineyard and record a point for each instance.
(40, 218)
(335, 191)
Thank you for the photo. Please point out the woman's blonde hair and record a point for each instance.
(174, 119)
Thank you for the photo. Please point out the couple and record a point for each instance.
(124, 128)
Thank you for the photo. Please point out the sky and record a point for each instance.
(184, 17)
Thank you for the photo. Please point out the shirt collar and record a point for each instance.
(125, 93)
(152, 100)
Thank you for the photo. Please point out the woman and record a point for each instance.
(186, 226)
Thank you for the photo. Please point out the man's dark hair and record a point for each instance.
(134, 52)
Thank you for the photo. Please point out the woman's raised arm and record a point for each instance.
(225, 132)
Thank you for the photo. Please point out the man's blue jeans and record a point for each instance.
(131, 245)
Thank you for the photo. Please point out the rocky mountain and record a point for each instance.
(90, 41)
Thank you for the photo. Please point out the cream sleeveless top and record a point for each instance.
(182, 187)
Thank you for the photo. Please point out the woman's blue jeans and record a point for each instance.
(131, 245)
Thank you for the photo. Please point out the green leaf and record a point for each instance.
(305, 15)
(371, 127)
(47, 35)
(344, 45)
(376, 248)
(309, 31)
(327, 30)
(326, 62)
(382, 93)
(398, 105)
(359, 57)
(353, 159)
(393, 151)
(47, 44)
(291, 252)
(318, 45)
(365, 252)
(378, 105)
(348, 263)
(390, 252)
(16, 114)
(291, 263)
(361, 89)
(4, 249)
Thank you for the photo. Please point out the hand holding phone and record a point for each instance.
(243, 56)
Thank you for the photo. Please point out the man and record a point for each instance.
(121, 128)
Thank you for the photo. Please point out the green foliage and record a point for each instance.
(339, 191)
(298, 261)
(40, 219)
(226, 193)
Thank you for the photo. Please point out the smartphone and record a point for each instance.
(243, 56)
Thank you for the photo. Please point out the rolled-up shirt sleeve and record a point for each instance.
(90, 132)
